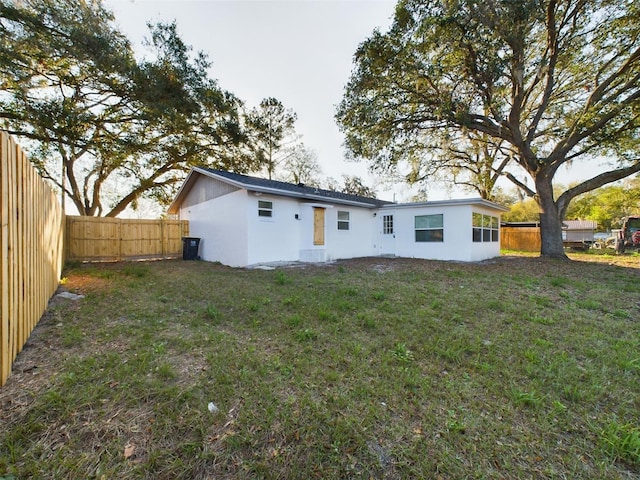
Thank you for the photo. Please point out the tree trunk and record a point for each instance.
(550, 220)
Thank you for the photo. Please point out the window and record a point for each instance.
(429, 228)
(495, 229)
(265, 209)
(343, 220)
(387, 224)
(485, 228)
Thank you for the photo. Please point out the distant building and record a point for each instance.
(578, 230)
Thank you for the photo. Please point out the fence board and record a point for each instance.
(5, 356)
(114, 239)
(30, 250)
(523, 239)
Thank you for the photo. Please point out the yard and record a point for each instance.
(517, 367)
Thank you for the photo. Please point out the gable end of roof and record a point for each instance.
(301, 191)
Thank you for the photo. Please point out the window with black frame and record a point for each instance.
(429, 228)
(485, 228)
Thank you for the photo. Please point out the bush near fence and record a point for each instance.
(31, 250)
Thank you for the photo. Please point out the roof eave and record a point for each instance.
(306, 196)
(175, 205)
(460, 201)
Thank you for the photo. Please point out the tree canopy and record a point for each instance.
(351, 184)
(273, 132)
(608, 205)
(301, 166)
(541, 83)
(107, 128)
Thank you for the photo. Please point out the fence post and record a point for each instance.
(121, 240)
(5, 358)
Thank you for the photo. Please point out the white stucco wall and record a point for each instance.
(358, 241)
(221, 224)
(275, 238)
(484, 250)
(457, 225)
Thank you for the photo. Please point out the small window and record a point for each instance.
(265, 208)
(485, 228)
(477, 227)
(343, 220)
(387, 224)
(495, 228)
(429, 228)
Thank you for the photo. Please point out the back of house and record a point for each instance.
(243, 220)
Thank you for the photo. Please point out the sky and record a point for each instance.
(298, 51)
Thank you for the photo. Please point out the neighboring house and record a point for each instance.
(243, 220)
(578, 230)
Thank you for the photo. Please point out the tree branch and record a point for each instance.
(595, 182)
(520, 185)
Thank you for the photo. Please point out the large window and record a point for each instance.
(343, 220)
(485, 228)
(265, 208)
(429, 228)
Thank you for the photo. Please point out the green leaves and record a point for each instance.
(130, 127)
(272, 128)
(528, 85)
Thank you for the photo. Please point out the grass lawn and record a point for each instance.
(518, 367)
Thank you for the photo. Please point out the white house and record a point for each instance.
(243, 220)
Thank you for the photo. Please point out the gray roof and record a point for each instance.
(304, 192)
(579, 224)
(447, 203)
(299, 190)
(275, 187)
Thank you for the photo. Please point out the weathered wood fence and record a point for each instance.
(108, 239)
(524, 239)
(31, 250)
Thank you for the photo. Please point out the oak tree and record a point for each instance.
(552, 82)
(105, 127)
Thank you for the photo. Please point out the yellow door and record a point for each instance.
(318, 226)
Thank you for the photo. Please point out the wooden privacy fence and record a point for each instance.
(524, 239)
(35, 239)
(105, 239)
(31, 250)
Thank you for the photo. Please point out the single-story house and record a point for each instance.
(243, 220)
